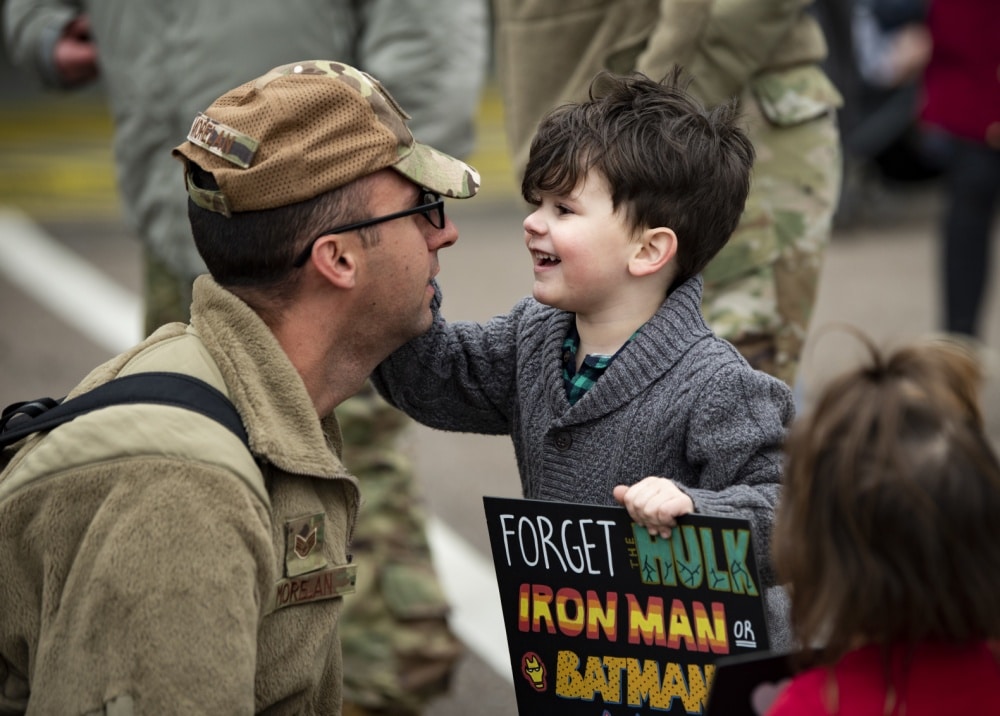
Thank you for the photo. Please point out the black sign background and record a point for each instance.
(587, 634)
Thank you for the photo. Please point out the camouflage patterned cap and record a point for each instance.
(304, 129)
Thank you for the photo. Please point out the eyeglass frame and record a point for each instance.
(428, 210)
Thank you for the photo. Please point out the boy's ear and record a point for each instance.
(334, 258)
(654, 250)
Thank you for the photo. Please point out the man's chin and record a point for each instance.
(425, 324)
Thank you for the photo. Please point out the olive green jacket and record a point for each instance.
(548, 52)
(151, 564)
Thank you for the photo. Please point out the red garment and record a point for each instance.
(956, 680)
(962, 80)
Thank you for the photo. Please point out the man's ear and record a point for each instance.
(654, 250)
(334, 257)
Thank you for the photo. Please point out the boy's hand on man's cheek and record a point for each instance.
(654, 503)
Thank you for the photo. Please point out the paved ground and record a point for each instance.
(55, 167)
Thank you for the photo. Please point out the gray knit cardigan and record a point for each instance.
(677, 402)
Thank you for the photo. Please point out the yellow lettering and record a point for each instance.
(680, 627)
(648, 626)
(605, 618)
(569, 681)
(642, 685)
(643, 682)
(570, 625)
(673, 687)
(716, 639)
(615, 665)
(597, 680)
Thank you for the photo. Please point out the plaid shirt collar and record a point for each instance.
(578, 382)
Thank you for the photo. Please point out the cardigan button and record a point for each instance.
(563, 440)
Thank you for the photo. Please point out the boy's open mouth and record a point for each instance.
(544, 259)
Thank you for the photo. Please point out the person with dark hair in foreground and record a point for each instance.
(886, 538)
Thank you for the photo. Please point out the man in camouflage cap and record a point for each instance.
(153, 92)
(182, 573)
(396, 627)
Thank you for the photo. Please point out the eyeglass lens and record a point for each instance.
(434, 213)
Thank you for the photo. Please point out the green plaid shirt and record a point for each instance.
(578, 382)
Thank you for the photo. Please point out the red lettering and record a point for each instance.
(282, 594)
(306, 589)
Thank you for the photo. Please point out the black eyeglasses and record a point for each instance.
(431, 207)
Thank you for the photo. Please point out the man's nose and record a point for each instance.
(443, 238)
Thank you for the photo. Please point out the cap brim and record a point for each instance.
(438, 172)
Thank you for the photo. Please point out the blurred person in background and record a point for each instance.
(961, 116)
(161, 63)
(761, 288)
(878, 51)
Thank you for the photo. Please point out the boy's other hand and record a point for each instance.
(654, 503)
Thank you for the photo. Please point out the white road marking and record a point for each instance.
(111, 317)
(66, 284)
(470, 583)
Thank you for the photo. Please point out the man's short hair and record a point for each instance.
(256, 249)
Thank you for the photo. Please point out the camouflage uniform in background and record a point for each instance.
(760, 289)
(167, 297)
(406, 659)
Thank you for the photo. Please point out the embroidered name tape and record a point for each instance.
(315, 586)
(223, 141)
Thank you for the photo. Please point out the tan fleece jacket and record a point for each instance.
(146, 568)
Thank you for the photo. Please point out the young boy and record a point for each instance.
(608, 380)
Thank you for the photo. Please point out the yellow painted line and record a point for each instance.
(491, 156)
(56, 160)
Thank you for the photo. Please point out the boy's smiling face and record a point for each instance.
(580, 248)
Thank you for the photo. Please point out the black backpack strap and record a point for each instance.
(183, 391)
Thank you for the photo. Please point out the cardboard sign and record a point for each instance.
(603, 619)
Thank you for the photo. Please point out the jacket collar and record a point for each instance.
(264, 386)
(660, 343)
